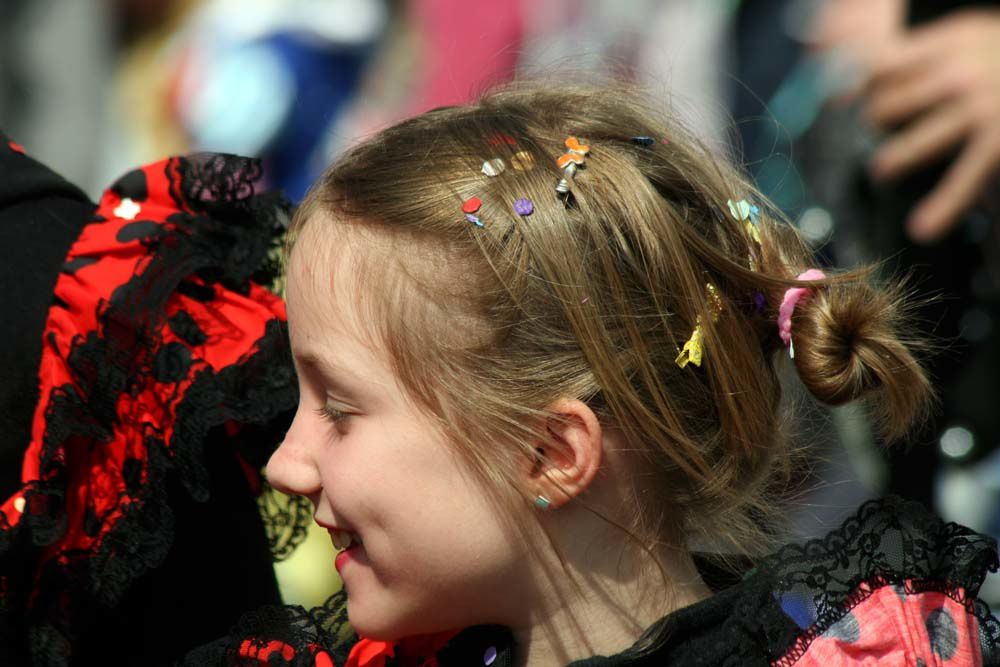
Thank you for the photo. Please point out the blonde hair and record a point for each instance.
(593, 295)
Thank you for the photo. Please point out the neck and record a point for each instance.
(608, 611)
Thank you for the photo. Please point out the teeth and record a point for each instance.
(343, 539)
(340, 539)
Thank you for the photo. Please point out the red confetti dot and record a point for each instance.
(471, 205)
(17, 148)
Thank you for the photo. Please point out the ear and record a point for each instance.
(569, 455)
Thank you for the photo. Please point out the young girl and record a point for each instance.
(536, 340)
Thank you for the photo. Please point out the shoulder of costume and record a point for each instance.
(22, 177)
(893, 555)
(890, 559)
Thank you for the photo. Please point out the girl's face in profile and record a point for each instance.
(428, 550)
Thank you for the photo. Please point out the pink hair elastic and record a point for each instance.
(792, 297)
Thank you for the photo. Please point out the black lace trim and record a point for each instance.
(303, 631)
(226, 236)
(888, 542)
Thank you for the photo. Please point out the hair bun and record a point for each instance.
(848, 346)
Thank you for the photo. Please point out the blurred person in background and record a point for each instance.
(923, 92)
(293, 81)
(880, 140)
(930, 83)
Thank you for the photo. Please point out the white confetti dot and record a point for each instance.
(494, 167)
(127, 209)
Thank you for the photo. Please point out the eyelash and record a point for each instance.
(331, 415)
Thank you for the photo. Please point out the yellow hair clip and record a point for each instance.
(692, 351)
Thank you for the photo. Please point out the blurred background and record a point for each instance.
(874, 125)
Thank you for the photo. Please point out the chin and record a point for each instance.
(381, 624)
(371, 624)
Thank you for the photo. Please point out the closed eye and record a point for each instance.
(331, 414)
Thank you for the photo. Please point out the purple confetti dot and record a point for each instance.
(759, 301)
(524, 207)
(490, 656)
(473, 219)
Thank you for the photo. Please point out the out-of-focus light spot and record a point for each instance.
(240, 101)
(816, 224)
(957, 441)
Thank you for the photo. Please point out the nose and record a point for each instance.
(292, 467)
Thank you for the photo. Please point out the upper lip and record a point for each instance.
(342, 538)
(330, 526)
(339, 529)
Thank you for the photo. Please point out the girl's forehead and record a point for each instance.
(329, 276)
(323, 259)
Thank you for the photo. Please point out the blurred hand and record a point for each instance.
(857, 30)
(936, 90)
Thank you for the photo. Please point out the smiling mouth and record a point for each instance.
(343, 539)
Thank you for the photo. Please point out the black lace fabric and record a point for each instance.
(300, 632)
(286, 520)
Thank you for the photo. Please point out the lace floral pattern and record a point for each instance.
(294, 633)
(286, 520)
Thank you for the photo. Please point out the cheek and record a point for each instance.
(439, 554)
(446, 528)
(413, 501)
(436, 573)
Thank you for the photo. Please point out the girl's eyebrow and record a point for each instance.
(330, 376)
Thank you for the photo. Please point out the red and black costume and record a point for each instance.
(146, 378)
